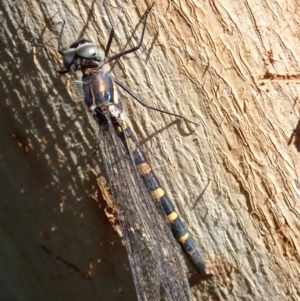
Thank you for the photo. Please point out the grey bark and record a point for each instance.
(230, 66)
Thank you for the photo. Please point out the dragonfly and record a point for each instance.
(149, 223)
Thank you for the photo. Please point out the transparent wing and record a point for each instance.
(155, 260)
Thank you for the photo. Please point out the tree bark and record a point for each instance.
(232, 67)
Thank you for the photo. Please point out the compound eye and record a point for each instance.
(69, 57)
(90, 51)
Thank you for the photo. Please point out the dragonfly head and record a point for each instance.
(83, 54)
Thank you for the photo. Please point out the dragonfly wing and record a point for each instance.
(154, 256)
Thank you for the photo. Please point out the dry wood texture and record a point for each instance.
(231, 66)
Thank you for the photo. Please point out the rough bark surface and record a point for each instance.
(231, 66)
